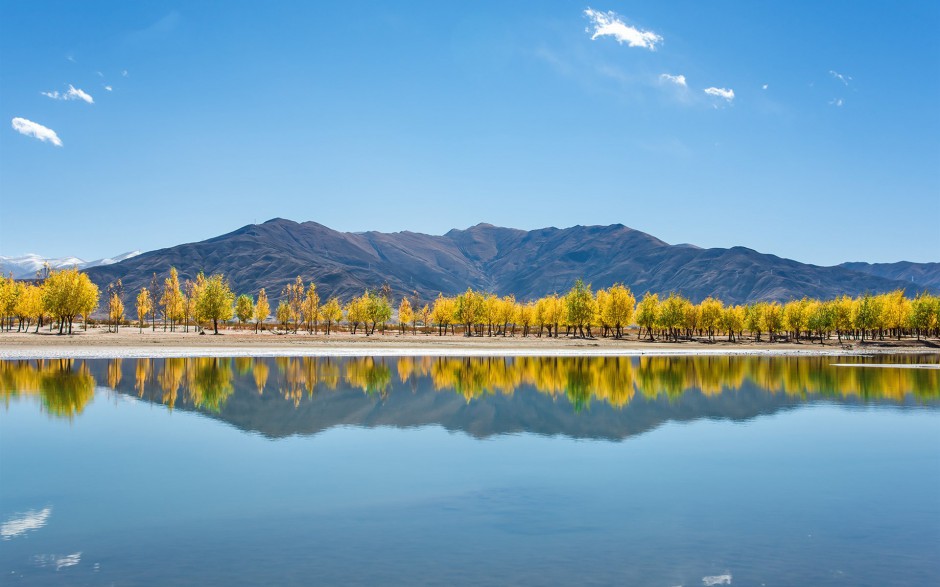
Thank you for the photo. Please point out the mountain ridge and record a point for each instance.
(502, 260)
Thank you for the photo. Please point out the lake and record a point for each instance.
(657, 471)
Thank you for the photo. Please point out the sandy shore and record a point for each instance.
(129, 343)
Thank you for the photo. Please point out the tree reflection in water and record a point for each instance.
(65, 387)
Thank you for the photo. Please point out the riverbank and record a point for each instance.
(129, 343)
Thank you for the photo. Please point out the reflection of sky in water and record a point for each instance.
(22, 523)
(57, 561)
(371, 486)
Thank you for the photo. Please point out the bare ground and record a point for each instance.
(129, 342)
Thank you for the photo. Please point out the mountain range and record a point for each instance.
(26, 266)
(504, 260)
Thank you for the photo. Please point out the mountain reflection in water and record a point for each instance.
(590, 397)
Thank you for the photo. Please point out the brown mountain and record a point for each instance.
(502, 260)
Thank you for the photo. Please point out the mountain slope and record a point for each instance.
(502, 260)
(925, 275)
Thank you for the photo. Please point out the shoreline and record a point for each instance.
(99, 344)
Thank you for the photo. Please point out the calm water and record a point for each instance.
(575, 471)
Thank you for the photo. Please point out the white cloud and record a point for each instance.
(609, 24)
(679, 80)
(842, 78)
(109, 88)
(765, 86)
(31, 520)
(73, 93)
(35, 130)
(124, 73)
(726, 93)
(837, 102)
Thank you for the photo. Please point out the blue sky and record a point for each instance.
(427, 116)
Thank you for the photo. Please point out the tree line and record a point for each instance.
(58, 297)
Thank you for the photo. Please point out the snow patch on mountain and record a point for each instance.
(26, 266)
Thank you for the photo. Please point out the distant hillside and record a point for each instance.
(916, 275)
(502, 260)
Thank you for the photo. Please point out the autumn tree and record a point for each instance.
(143, 306)
(468, 309)
(311, 308)
(214, 300)
(283, 314)
(68, 293)
(293, 294)
(332, 313)
(617, 309)
(710, 314)
(647, 313)
(405, 314)
(579, 303)
(426, 317)
(115, 310)
(244, 308)
(262, 309)
(171, 302)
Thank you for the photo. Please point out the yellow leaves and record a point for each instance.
(144, 305)
(262, 307)
(405, 313)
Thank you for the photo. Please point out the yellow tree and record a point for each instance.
(29, 305)
(525, 316)
(283, 314)
(171, 302)
(143, 306)
(116, 310)
(672, 314)
(579, 302)
(214, 301)
(356, 313)
(311, 308)
(405, 314)
(896, 310)
(711, 313)
(68, 293)
(795, 316)
(507, 314)
(293, 294)
(555, 313)
(468, 309)
(244, 308)
(426, 318)
(771, 319)
(647, 313)
(443, 313)
(262, 309)
(842, 309)
(332, 312)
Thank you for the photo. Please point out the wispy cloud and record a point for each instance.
(838, 102)
(36, 130)
(610, 24)
(842, 78)
(73, 93)
(765, 86)
(679, 80)
(124, 73)
(109, 88)
(726, 93)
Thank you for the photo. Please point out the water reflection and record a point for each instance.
(718, 386)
